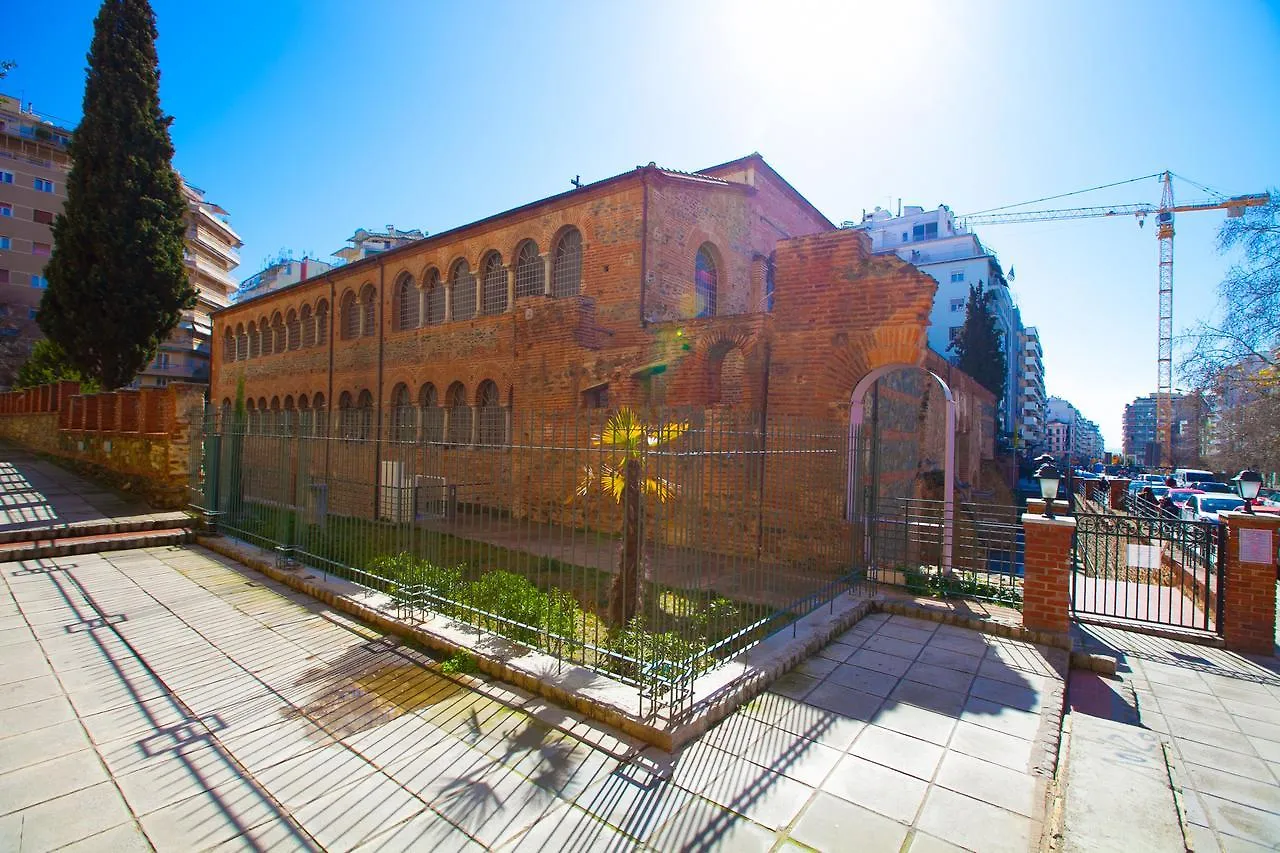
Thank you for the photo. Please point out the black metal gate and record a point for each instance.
(1163, 571)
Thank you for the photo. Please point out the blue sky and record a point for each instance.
(306, 120)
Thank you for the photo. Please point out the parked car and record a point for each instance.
(1153, 479)
(1181, 496)
(1193, 477)
(1216, 489)
(1205, 507)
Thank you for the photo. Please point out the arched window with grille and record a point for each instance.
(242, 343)
(322, 322)
(493, 417)
(293, 330)
(306, 418)
(224, 420)
(308, 321)
(228, 346)
(364, 408)
(705, 281)
(462, 285)
(566, 265)
(530, 271)
(264, 425)
(459, 419)
(251, 416)
(431, 413)
(406, 303)
(403, 425)
(255, 341)
(347, 421)
(368, 311)
(277, 333)
(289, 414)
(321, 414)
(350, 316)
(494, 285)
(435, 297)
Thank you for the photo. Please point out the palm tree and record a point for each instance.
(627, 442)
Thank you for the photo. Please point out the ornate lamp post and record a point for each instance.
(1048, 476)
(1248, 483)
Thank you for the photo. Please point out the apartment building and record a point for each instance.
(1190, 413)
(278, 274)
(1032, 399)
(955, 258)
(210, 253)
(1071, 436)
(33, 187)
(365, 243)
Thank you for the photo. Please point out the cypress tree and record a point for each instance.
(117, 285)
(979, 347)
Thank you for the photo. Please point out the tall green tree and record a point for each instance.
(48, 363)
(117, 285)
(980, 345)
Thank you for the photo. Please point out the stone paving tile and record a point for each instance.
(975, 825)
(901, 752)
(830, 823)
(63, 820)
(878, 788)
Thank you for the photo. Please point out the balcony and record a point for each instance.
(214, 246)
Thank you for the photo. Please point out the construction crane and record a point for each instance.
(1163, 214)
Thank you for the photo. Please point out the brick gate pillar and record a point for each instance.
(1119, 491)
(1046, 582)
(1249, 553)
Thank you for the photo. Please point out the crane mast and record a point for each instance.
(1164, 391)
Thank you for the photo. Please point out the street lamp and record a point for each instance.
(1048, 476)
(1248, 483)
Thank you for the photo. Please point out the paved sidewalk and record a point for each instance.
(167, 699)
(36, 493)
(1219, 714)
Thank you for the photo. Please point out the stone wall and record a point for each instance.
(139, 441)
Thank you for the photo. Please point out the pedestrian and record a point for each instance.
(1168, 508)
(1146, 500)
(1170, 482)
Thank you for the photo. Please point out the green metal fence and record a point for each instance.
(650, 549)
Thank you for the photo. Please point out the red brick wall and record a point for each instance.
(1046, 604)
(1249, 614)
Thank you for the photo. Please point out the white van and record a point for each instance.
(1188, 477)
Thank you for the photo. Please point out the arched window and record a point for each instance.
(463, 286)
(224, 422)
(493, 418)
(242, 343)
(369, 311)
(432, 414)
(255, 343)
(293, 330)
(406, 303)
(322, 322)
(459, 415)
(289, 414)
(306, 418)
(435, 297)
(530, 271)
(729, 384)
(495, 285)
(308, 322)
(566, 265)
(705, 280)
(403, 426)
(251, 416)
(321, 414)
(364, 408)
(228, 346)
(278, 341)
(273, 424)
(350, 317)
(264, 337)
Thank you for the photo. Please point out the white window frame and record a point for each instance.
(39, 282)
(957, 276)
(6, 209)
(6, 177)
(5, 243)
(43, 185)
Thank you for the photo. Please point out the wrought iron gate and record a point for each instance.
(1163, 571)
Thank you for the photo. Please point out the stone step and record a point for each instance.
(64, 546)
(99, 527)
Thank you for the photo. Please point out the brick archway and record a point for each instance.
(949, 460)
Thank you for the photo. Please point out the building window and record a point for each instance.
(6, 210)
(459, 414)
(596, 398)
(350, 317)
(4, 276)
(38, 249)
(954, 333)
(705, 281)
(162, 361)
(369, 314)
(32, 312)
(162, 381)
(432, 414)
(406, 303)
(529, 270)
(39, 281)
(403, 427)
(4, 243)
(308, 327)
(770, 270)
(435, 297)
(957, 276)
(957, 304)
(463, 285)
(44, 217)
(42, 185)
(493, 419)
(322, 322)
(494, 278)
(293, 330)
(6, 177)
(566, 265)
(925, 231)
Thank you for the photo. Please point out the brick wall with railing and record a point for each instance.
(136, 440)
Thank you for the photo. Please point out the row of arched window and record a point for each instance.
(455, 419)
(462, 296)
(296, 329)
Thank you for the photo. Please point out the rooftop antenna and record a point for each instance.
(577, 181)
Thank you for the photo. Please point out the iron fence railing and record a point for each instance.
(652, 564)
(905, 545)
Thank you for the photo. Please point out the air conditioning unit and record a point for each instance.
(431, 497)
(395, 492)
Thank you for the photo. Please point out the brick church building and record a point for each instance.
(721, 288)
